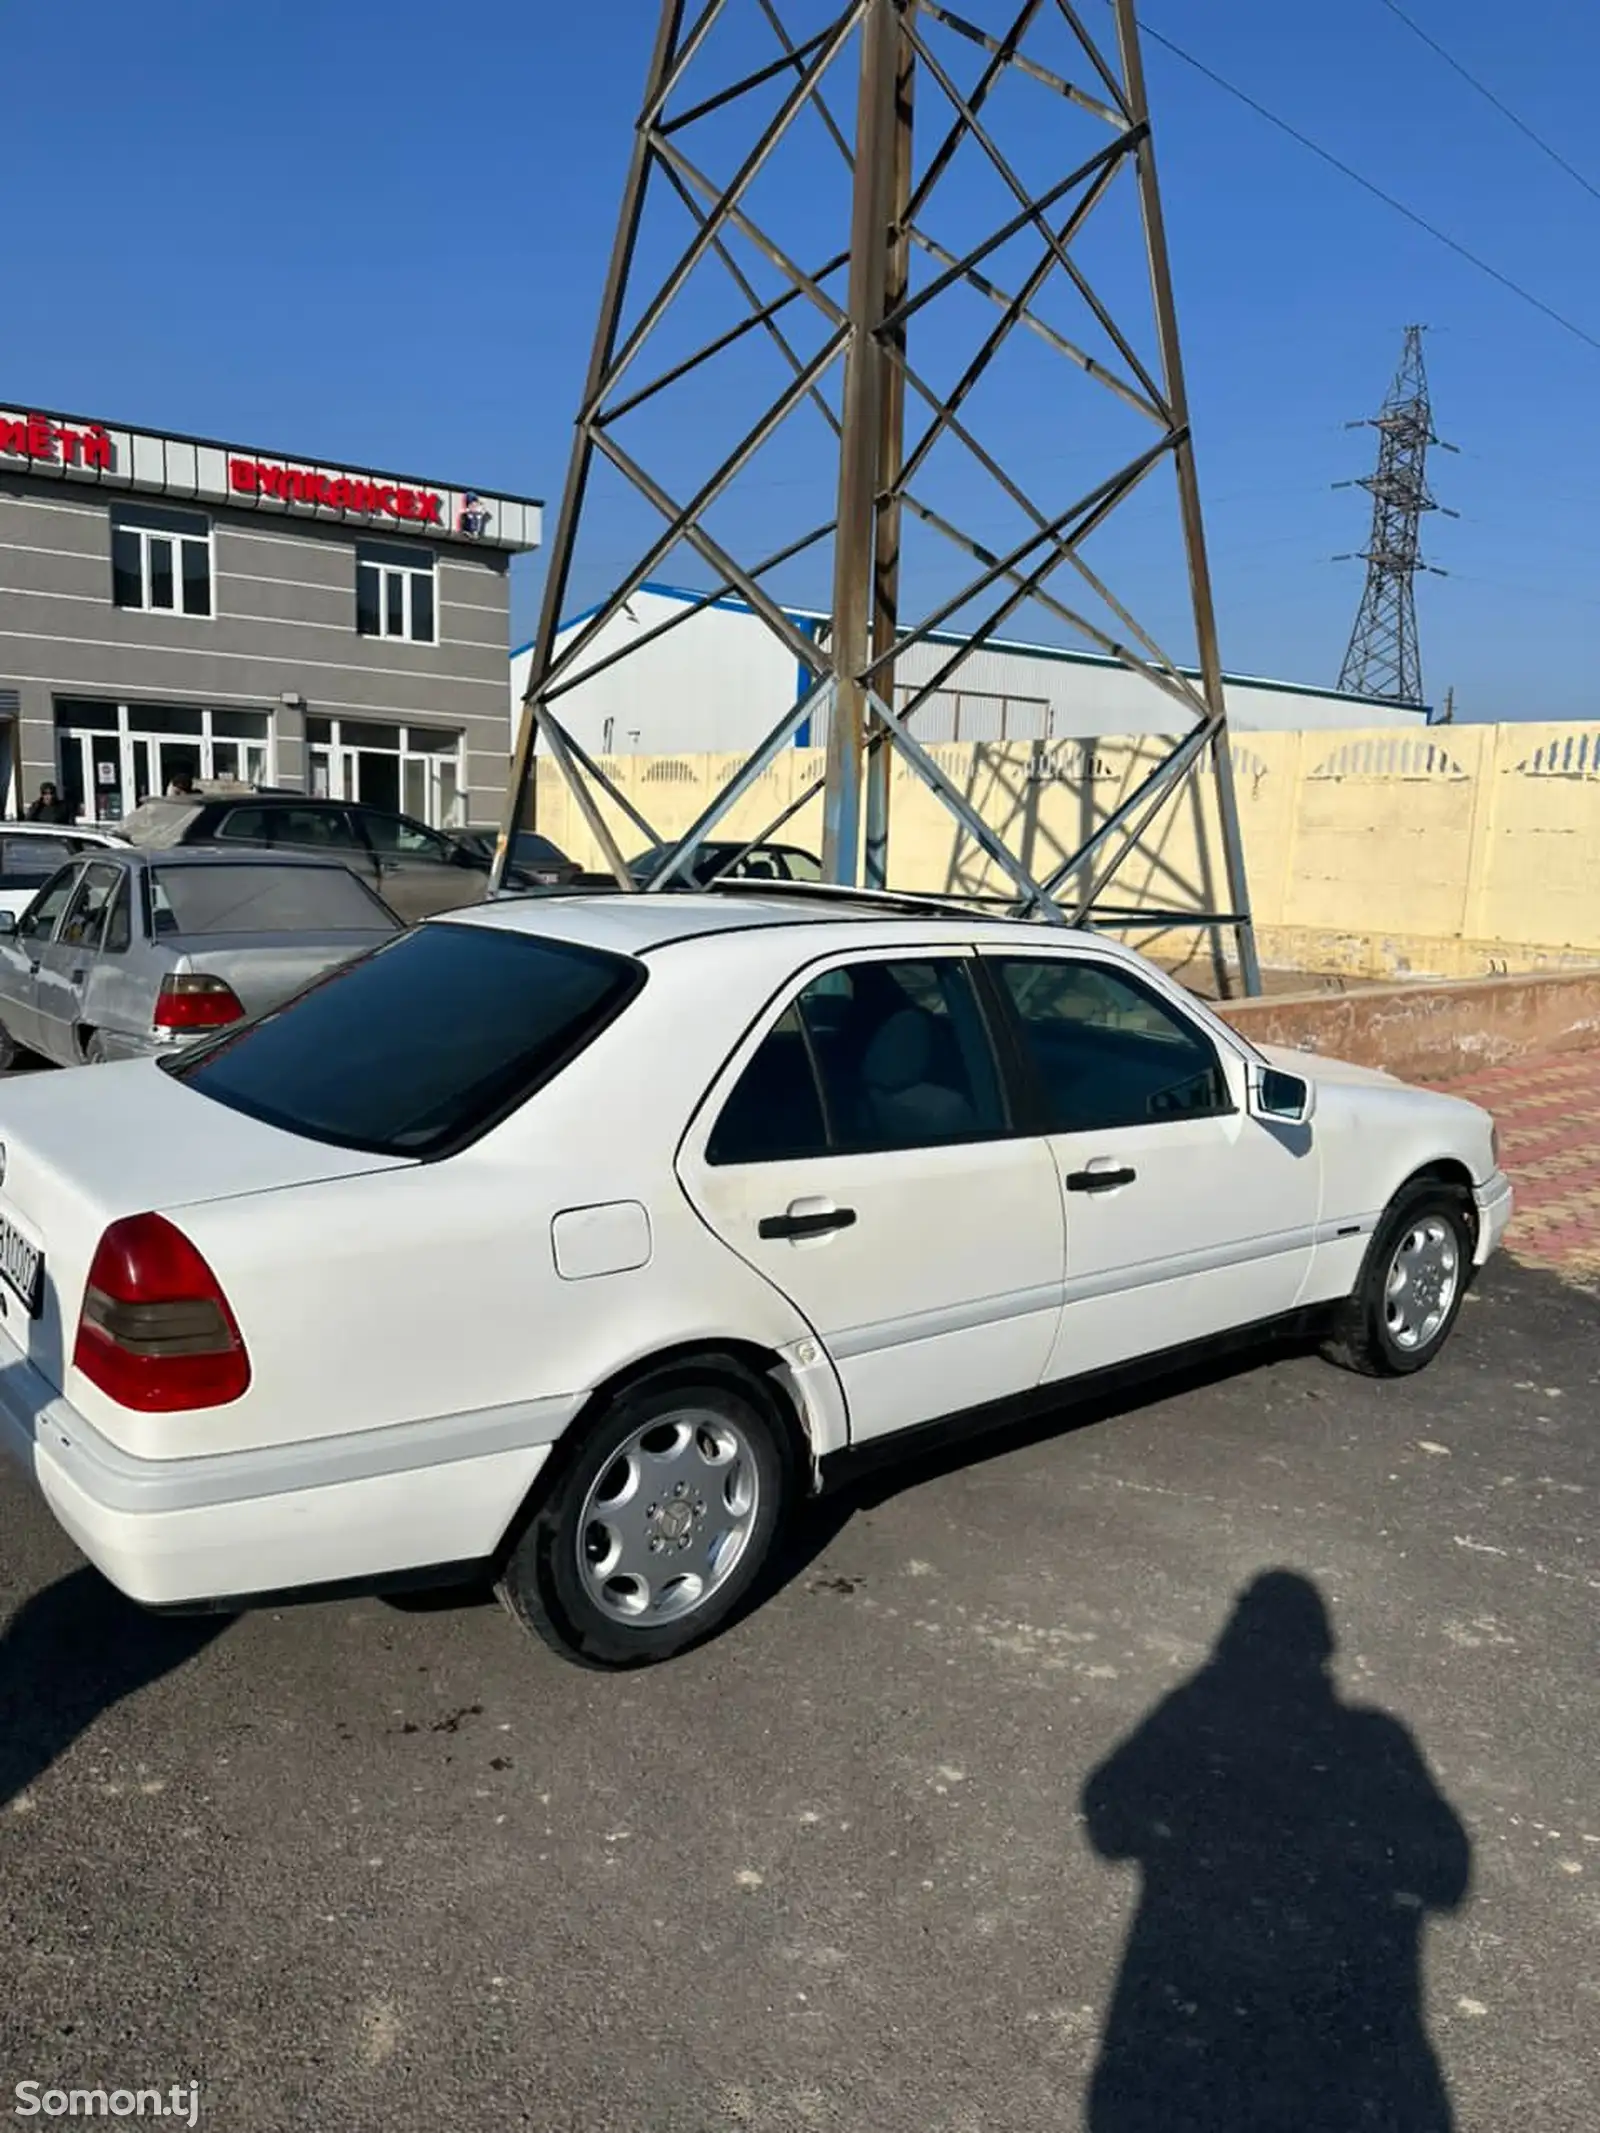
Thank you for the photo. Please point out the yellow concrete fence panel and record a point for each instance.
(1383, 831)
(1449, 851)
(1539, 860)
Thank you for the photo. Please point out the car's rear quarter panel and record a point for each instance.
(433, 1290)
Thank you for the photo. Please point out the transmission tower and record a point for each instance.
(1383, 658)
(804, 298)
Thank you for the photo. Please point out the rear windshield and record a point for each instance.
(158, 825)
(418, 1048)
(264, 899)
(31, 859)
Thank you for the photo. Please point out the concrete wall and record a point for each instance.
(1465, 851)
(1433, 1032)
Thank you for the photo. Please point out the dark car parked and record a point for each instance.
(763, 862)
(535, 863)
(416, 870)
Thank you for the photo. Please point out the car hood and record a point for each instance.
(1312, 1066)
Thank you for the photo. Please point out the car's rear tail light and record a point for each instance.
(192, 999)
(156, 1331)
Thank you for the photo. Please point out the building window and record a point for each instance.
(413, 770)
(161, 560)
(394, 592)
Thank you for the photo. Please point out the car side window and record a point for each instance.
(399, 837)
(317, 829)
(246, 825)
(757, 866)
(872, 1056)
(801, 866)
(1106, 1051)
(118, 937)
(85, 922)
(775, 1110)
(38, 922)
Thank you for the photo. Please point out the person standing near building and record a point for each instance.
(49, 807)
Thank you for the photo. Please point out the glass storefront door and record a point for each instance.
(112, 756)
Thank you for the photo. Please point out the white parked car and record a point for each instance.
(572, 1238)
(30, 852)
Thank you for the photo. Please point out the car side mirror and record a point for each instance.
(1285, 1099)
(8, 922)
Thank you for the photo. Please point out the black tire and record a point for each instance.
(1364, 1337)
(94, 1050)
(10, 1050)
(546, 1586)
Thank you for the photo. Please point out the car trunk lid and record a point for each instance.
(264, 970)
(78, 1150)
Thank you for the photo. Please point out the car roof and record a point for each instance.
(209, 855)
(640, 922)
(274, 796)
(91, 830)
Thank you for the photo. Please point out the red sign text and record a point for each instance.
(298, 485)
(37, 437)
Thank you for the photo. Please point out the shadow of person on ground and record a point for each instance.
(67, 1655)
(1291, 1846)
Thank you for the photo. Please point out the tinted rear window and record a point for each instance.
(264, 899)
(25, 860)
(414, 1050)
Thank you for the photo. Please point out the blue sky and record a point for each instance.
(377, 234)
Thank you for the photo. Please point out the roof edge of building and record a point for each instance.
(321, 459)
(731, 602)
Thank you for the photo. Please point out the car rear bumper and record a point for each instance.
(175, 1532)
(136, 1043)
(1494, 1202)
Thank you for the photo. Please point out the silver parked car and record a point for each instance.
(123, 954)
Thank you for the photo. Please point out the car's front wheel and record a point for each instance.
(658, 1522)
(1411, 1286)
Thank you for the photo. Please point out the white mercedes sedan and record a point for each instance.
(573, 1239)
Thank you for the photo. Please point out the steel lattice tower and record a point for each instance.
(1383, 658)
(811, 301)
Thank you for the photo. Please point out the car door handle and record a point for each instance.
(814, 1222)
(78, 976)
(33, 970)
(1099, 1180)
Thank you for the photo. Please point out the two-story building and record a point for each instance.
(171, 604)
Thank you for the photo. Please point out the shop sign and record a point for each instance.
(299, 485)
(36, 437)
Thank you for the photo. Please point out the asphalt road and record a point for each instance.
(976, 1826)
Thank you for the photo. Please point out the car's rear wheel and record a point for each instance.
(94, 1049)
(10, 1050)
(1411, 1286)
(658, 1522)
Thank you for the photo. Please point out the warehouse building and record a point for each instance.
(175, 605)
(721, 679)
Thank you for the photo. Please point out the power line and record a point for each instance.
(1489, 96)
(1345, 170)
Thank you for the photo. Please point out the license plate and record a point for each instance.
(21, 1266)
